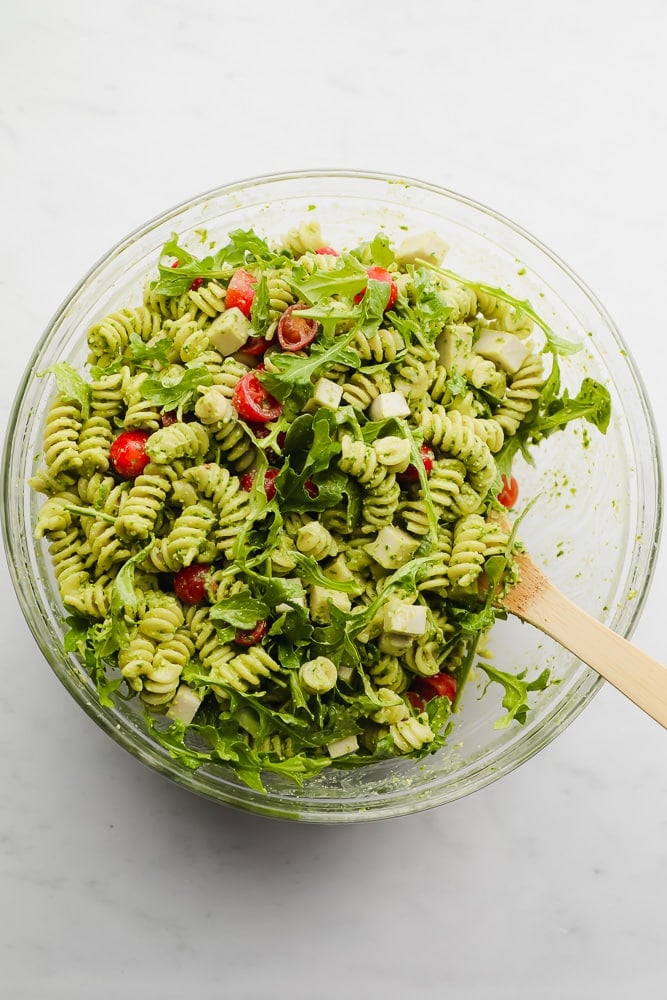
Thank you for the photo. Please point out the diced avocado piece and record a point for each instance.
(389, 404)
(504, 349)
(229, 331)
(422, 246)
(392, 547)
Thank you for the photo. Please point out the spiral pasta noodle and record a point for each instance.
(291, 532)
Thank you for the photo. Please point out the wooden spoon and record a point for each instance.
(536, 600)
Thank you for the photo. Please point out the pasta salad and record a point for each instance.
(276, 499)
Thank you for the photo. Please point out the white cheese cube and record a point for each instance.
(184, 706)
(345, 673)
(504, 349)
(405, 619)
(422, 246)
(213, 406)
(319, 602)
(339, 748)
(339, 570)
(327, 393)
(454, 345)
(392, 547)
(389, 404)
(229, 331)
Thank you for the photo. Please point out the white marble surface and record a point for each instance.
(550, 883)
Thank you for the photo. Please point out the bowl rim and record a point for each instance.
(266, 805)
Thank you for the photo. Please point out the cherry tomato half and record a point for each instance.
(310, 488)
(252, 401)
(440, 685)
(416, 700)
(250, 637)
(328, 251)
(509, 494)
(256, 346)
(190, 583)
(240, 291)
(296, 332)
(128, 453)
(269, 482)
(379, 274)
(411, 475)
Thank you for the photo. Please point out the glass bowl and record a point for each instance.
(595, 528)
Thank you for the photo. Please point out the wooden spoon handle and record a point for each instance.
(634, 673)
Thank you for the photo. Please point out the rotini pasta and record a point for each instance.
(288, 524)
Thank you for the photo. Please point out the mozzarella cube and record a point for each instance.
(327, 393)
(229, 331)
(454, 345)
(392, 547)
(319, 602)
(389, 404)
(348, 744)
(345, 673)
(184, 706)
(212, 407)
(405, 619)
(422, 246)
(504, 349)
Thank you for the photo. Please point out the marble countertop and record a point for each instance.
(548, 884)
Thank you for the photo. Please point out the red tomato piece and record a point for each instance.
(240, 291)
(270, 482)
(416, 700)
(256, 346)
(509, 493)
(128, 453)
(250, 637)
(328, 251)
(169, 418)
(296, 332)
(411, 475)
(310, 488)
(379, 274)
(190, 583)
(440, 685)
(252, 401)
(270, 475)
(197, 283)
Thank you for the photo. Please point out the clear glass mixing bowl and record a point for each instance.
(595, 528)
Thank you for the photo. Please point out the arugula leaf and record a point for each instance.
(173, 390)
(381, 250)
(240, 610)
(146, 356)
(260, 316)
(347, 279)
(244, 246)
(592, 403)
(310, 572)
(80, 638)
(515, 699)
(70, 384)
(123, 597)
(457, 383)
(293, 380)
(421, 315)
(554, 343)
